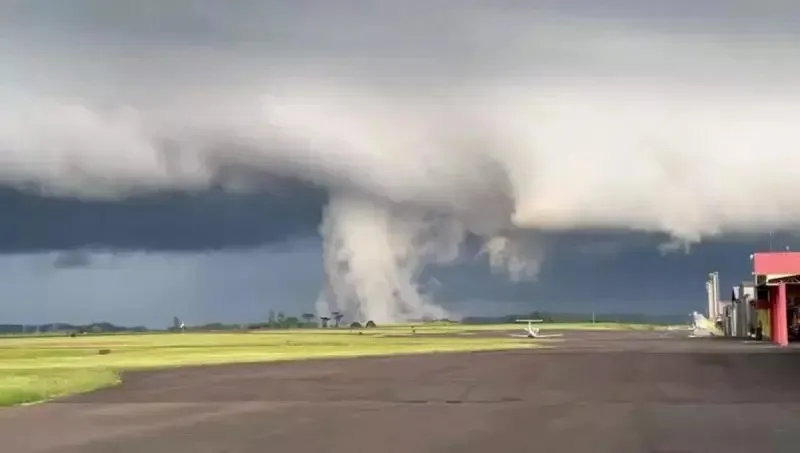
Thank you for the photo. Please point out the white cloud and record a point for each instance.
(504, 117)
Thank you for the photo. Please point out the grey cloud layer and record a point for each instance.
(206, 43)
(500, 117)
(205, 221)
(679, 101)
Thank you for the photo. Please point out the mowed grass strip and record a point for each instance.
(30, 386)
(34, 369)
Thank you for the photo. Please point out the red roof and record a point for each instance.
(776, 263)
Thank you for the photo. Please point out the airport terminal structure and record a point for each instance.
(767, 307)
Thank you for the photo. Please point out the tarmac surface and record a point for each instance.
(591, 392)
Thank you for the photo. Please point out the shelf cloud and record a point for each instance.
(396, 132)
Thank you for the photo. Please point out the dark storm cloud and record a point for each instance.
(165, 221)
(72, 259)
(610, 271)
(707, 94)
(243, 285)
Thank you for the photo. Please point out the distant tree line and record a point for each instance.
(279, 320)
(555, 317)
(99, 327)
(275, 320)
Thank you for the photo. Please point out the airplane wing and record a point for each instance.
(531, 332)
(520, 335)
(535, 335)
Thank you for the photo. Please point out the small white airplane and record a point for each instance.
(531, 332)
(703, 327)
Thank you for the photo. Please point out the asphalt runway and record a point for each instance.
(590, 392)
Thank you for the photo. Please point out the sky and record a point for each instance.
(216, 161)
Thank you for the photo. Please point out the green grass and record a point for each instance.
(453, 328)
(615, 326)
(39, 368)
(19, 386)
(35, 369)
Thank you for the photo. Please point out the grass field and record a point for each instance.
(451, 328)
(40, 368)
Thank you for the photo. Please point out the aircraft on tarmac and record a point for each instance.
(699, 327)
(531, 332)
(703, 327)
